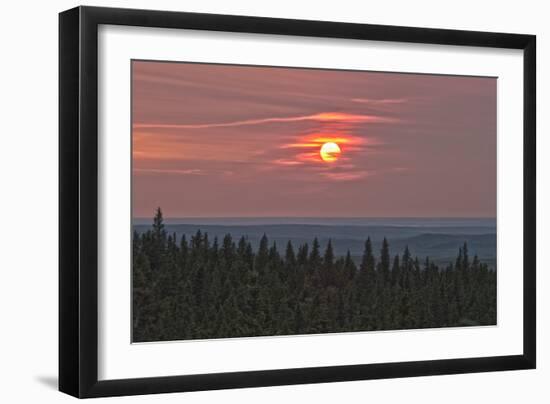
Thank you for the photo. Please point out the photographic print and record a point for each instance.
(285, 201)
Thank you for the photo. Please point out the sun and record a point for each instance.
(330, 152)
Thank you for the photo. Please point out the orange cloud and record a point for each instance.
(166, 146)
(316, 140)
(284, 162)
(304, 151)
(299, 145)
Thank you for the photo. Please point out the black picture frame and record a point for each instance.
(78, 201)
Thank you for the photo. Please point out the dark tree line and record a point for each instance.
(202, 288)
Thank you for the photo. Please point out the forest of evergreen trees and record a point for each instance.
(201, 288)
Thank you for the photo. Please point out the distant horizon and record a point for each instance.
(325, 221)
(438, 238)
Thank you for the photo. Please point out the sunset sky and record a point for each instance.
(233, 141)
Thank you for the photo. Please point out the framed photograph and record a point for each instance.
(251, 201)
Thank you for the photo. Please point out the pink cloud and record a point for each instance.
(346, 176)
(320, 117)
(168, 171)
(380, 101)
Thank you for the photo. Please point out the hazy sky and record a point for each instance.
(223, 140)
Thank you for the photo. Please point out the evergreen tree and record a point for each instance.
(384, 266)
(262, 257)
(328, 274)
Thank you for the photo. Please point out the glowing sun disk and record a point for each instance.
(330, 152)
